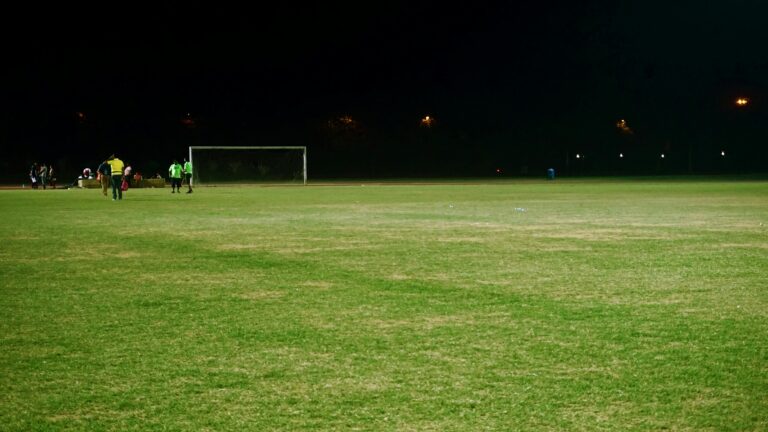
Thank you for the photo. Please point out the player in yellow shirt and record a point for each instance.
(117, 176)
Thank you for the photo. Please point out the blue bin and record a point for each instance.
(551, 174)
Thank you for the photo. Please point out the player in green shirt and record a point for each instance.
(174, 171)
(188, 174)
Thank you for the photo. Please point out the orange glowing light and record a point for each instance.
(742, 101)
(427, 121)
(623, 126)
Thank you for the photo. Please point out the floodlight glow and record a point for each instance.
(621, 155)
(578, 156)
(662, 155)
(623, 126)
(722, 153)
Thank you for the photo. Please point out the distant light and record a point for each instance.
(722, 153)
(578, 156)
(623, 126)
(498, 170)
(188, 121)
(662, 155)
(427, 121)
(742, 101)
(621, 155)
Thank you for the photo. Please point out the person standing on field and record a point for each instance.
(174, 171)
(128, 173)
(51, 176)
(188, 174)
(33, 173)
(43, 175)
(105, 173)
(116, 168)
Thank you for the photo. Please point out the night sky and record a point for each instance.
(519, 86)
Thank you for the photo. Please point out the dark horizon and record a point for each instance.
(518, 86)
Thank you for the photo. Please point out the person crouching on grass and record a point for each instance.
(174, 171)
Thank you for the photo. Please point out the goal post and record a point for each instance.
(248, 164)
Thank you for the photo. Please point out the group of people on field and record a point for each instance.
(116, 173)
(42, 175)
(176, 171)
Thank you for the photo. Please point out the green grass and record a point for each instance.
(605, 305)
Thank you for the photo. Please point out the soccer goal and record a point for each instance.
(229, 165)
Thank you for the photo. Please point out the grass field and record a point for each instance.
(567, 305)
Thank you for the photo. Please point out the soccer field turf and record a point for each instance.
(571, 305)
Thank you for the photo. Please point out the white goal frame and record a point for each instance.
(302, 148)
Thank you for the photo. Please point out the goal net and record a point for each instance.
(248, 165)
